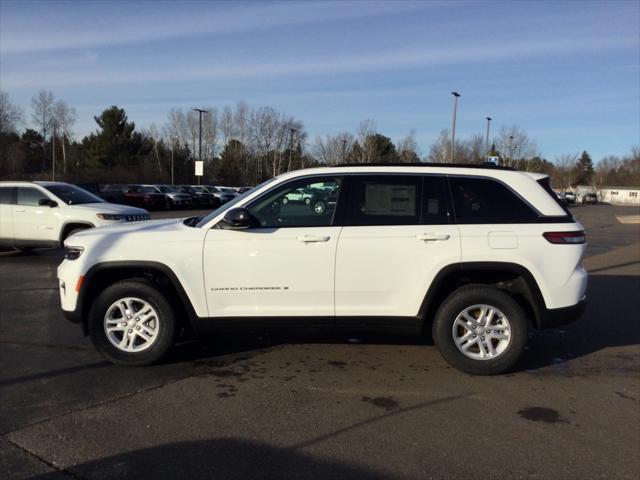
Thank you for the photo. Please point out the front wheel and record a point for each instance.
(480, 330)
(132, 323)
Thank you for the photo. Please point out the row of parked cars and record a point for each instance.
(570, 198)
(158, 197)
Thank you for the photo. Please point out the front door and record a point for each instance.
(37, 224)
(396, 237)
(283, 266)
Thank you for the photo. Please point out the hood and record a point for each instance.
(154, 226)
(111, 208)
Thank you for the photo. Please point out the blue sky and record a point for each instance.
(566, 72)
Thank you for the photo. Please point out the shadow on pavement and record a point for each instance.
(611, 320)
(224, 458)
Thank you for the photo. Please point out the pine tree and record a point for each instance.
(584, 169)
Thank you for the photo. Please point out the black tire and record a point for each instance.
(469, 296)
(143, 290)
(72, 231)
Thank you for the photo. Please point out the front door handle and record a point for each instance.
(313, 238)
(433, 237)
(21, 210)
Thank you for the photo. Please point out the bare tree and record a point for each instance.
(515, 145)
(42, 117)
(10, 114)
(408, 148)
(64, 117)
(477, 149)
(366, 131)
(227, 124)
(565, 168)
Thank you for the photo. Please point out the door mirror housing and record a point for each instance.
(236, 219)
(47, 202)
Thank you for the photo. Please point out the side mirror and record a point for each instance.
(236, 219)
(47, 202)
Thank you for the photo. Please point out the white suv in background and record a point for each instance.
(44, 214)
(478, 255)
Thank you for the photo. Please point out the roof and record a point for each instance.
(487, 165)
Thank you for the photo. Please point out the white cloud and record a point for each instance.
(347, 64)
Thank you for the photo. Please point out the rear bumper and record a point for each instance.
(554, 317)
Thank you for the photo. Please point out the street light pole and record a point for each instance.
(53, 160)
(488, 126)
(293, 131)
(344, 149)
(453, 128)
(200, 112)
(172, 145)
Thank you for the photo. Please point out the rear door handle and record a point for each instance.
(313, 238)
(21, 210)
(433, 237)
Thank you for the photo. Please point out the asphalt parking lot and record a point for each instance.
(276, 406)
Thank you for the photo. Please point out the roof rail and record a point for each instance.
(487, 165)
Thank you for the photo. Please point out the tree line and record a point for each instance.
(244, 145)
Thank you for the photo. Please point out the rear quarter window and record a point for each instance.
(481, 200)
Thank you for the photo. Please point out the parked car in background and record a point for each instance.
(44, 214)
(223, 197)
(244, 189)
(589, 198)
(106, 192)
(146, 196)
(201, 197)
(174, 198)
(570, 197)
(298, 196)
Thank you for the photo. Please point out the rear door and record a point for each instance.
(33, 222)
(397, 236)
(6, 214)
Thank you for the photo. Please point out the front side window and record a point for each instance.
(286, 207)
(385, 200)
(30, 196)
(479, 200)
(6, 195)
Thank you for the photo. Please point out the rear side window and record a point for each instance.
(30, 196)
(435, 204)
(385, 200)
(479, 200)
(6, 195)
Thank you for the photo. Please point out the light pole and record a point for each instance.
(453, 127)
(488, 126)
(173, 139)
(293, 131)
(344, 149)
(200, 112)
(53, 159)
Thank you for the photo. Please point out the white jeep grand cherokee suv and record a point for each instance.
(477, 254)
(44, 214)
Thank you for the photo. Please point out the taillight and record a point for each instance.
(565, 238)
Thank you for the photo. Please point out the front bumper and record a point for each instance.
(554, 317)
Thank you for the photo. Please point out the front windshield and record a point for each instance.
(210, 216)
(165, 189)
(200, 189)
(72, 195)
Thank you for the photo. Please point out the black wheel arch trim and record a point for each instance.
(543, 317)
(65, 225)
(79, 315)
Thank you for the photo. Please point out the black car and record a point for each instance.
(200, 196)
(589, 198)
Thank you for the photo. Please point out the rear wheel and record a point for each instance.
(480, 330)
(132, 323)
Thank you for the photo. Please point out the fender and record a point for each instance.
(79, 315)
(535, 298)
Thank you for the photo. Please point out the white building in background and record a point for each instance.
(614, 195)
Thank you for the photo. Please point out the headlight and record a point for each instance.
(72, 253)
(110, 216)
